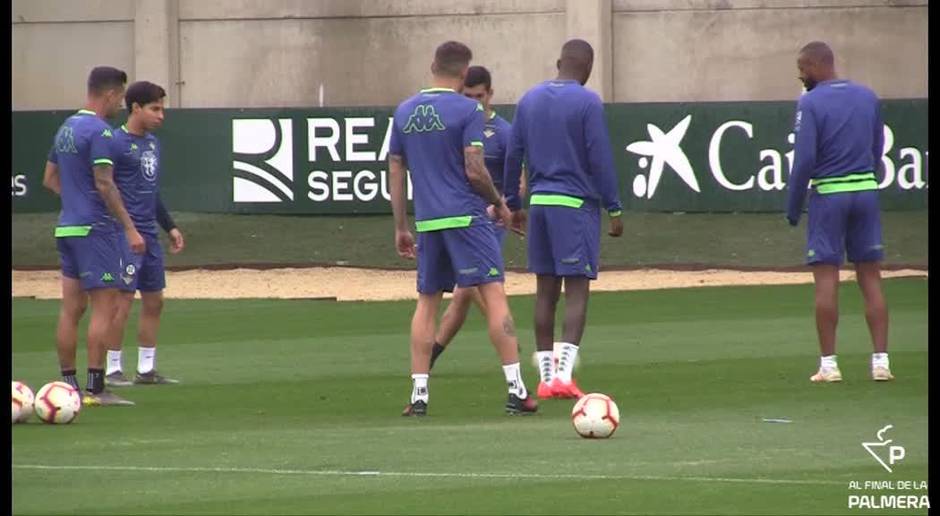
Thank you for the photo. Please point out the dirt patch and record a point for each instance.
(353, 284)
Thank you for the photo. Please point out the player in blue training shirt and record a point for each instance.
(559, 130)
(137, 160)
(437, 135)
(90, 241)
(839, 145)
(477, 86)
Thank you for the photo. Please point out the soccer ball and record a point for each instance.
(58, 403)
(595, 416)
(22, 402)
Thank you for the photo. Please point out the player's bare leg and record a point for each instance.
(71, 310)
(502, 330)
(114, 374)
(104, 303)
(422, 340)
(868, 275)
(151, 309)
(577, 293)
(826, 279)
(454, 317)
(547, 293)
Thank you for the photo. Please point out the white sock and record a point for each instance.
(114, 362)
(546, 366)
(566, 357)
(879, 360)
(146, 358)
(419, 389)
(828, 362)
(514, 380)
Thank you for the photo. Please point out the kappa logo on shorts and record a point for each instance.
(107, 277)
(811, 253)
(493, 272)
(263, 160)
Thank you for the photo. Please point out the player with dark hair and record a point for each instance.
(559, 130)
(137, 173)
(438, 136)
(477, 86)
(90, 241)
(838, 149)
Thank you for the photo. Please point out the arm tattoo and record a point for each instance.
(509, 328)
(480, 178)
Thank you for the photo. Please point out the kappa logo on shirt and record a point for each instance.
(423, 119)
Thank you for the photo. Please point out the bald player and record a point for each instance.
(560, 132)
(839, 145)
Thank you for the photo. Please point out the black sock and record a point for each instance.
(436, 352)
(95, 380)
(68, 376)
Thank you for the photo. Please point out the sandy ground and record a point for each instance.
(351, 284)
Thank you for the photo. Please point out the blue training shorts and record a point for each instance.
(844, 223)
(466, 257)
(144, 272)
(564, 241)
(94, 259)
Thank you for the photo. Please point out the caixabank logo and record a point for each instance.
(766, 170)
(262, 160)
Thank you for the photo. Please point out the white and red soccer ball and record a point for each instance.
(57, 403)
(595, 416)
(22, 402)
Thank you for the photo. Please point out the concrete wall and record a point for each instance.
(687, 50)
(252, 53)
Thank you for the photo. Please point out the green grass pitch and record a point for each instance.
(292, 407)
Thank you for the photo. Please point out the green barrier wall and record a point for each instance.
(715, 157)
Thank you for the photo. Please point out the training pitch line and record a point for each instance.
(418, 474)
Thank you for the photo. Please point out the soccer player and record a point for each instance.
(477, 86)
(136, 154)
(839, 144)
(559, 130)
(438, 136)
(90, 242)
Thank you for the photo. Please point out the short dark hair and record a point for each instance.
(451, 57)
(818, 51)
(478, 75)
(104, 78)
(142, 93)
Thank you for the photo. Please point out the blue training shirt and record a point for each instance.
(137, 174)
(839, 134)
(496, 133)
(430, 130)
(82, 142)
(560, 132)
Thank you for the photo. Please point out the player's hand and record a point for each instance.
(176, 241)
(136, 242)
(517, 225)
(616, 226)
(503, 215)
(405, 244)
